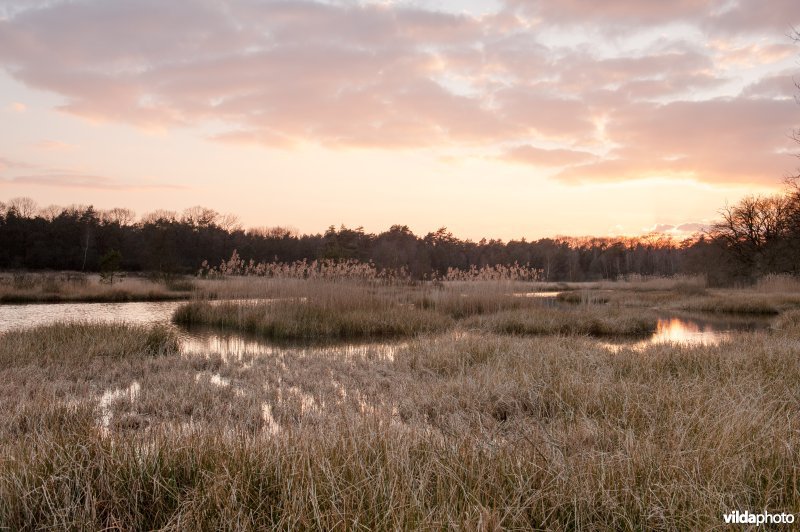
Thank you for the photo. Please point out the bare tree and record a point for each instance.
(119, 216)
(229, 222)
(51, 212)
(198, 216)
(274, 232)
(24, 207)
(160, 215)
(750, 227)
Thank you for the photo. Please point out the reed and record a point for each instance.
(589, 320)
(67, 287)
(326, 311)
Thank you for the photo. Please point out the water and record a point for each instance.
(199, 341)
(696, 329)
(691, 329)
(31, 315)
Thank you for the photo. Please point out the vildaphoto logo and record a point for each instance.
(764, 518)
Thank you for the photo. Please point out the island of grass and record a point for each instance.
(331, 311)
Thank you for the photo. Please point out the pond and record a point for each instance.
(693, 329)
(201, 341)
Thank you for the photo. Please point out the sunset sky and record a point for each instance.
(495, 118)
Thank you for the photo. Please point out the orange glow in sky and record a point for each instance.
(495, 118)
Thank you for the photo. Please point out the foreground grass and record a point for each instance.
(78, 343)
(63, 288)
(457, 431)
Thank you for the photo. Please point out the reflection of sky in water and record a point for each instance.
(694, 330)
(235, 346)
(143, 313)
(678, 330)
(683, 329)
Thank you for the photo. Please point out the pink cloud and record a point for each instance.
(81, 181)
(547, 157)
(616, 12)
(54, 145)
(280, 72)
(724, 140)
(720, 16)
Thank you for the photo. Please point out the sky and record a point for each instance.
(494, 118)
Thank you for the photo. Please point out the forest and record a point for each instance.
(757, 236)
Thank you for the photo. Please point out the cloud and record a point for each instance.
(722, 140)
(729, 17)
(680, 230)
(379, 75)
(17, 107)
(615, 12)
(693, 227)
(54, 145)
(10, 164)
(69, 180)
(546, 157)
(23, 173)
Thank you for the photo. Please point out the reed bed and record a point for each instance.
(586, 297)
(782, 283)
(453, 431)
(325, 311)
(463, 299)
(62, 288)
(582, 320)
(741, 302)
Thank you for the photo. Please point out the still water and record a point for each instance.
(696, 329)
(689, 329)
(193, 341)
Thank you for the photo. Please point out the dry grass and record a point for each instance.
(781, 283)
(463, 299)
(584, 297)
(325, 311)
(691, 298)
(582, 320)
(459, 431)
(741, 302)
(342, 311)
(64, 287)
(471, 425)
(78, 343)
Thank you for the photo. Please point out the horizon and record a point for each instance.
(496, 119)
(231, 223)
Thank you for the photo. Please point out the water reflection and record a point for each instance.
(682, 331)
(678, 328)
(33, 315)
(694, 329)
(544, 295)
(232, 346)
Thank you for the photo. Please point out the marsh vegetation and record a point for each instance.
(65, 287)
(493, 410)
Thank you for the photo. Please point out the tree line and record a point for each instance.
(168, 243)
(757, 236)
